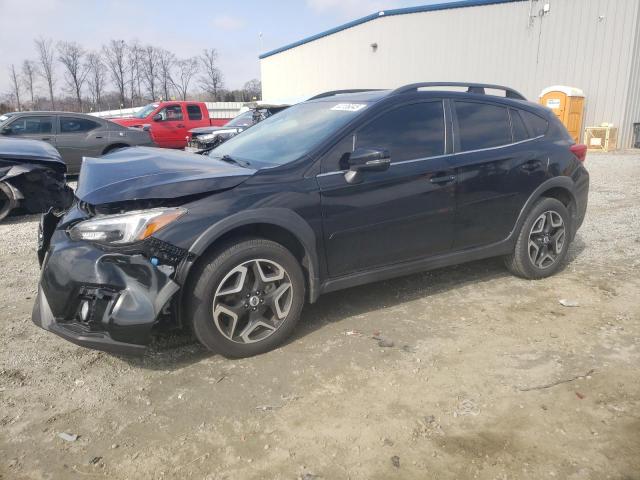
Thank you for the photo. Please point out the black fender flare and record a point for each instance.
(280, 217)
(563, 182)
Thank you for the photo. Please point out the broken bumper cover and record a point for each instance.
(102, 300)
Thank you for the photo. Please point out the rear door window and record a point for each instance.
(31, 125)
(408, 132)
(482, 125)
(194, 112)
(77, 125)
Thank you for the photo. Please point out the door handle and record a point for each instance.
(531, 165)
(180, 125)
(46, 138)
(98, 136)
(443, 179)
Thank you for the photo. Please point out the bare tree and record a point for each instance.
(133, 67)
(115, 53)
(46, 54)
(15, 85)
(71, 55)
(150, 69)
(186, 69)
(211, 79)
(253, 89)
(96, 77)
(29, 72)
(166, 62)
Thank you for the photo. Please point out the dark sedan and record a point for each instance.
(74, 135)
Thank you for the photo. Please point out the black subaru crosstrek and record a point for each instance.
(346, 188)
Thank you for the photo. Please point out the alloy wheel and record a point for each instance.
(546, 239)
(252, 301)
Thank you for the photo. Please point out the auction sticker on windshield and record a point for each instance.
(349, 107)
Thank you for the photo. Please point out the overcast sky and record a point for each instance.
(184, 27)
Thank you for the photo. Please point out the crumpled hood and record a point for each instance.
(18, 151)
(145, 173)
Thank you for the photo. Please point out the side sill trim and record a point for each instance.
(422, 264)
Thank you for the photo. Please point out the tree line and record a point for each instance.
(66, 76)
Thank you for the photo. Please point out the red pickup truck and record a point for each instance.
(169, 122)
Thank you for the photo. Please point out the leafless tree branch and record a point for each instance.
(71, 55)
(46, 55)
(211, 78)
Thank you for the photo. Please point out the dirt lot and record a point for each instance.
(471, 388)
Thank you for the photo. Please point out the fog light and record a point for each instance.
(84, 310)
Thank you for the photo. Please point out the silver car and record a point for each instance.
(74, 135)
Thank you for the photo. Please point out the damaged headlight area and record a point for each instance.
(122, 229)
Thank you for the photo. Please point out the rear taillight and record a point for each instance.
(580, 151)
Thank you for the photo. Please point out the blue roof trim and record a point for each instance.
(388, 13)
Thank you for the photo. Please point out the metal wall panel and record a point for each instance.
(583, 43)
(632, 113)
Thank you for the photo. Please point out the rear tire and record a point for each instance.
(543, 241)
(246, 299)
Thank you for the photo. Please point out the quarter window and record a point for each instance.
(537, 125)
(194, 112)
(76, 125)
(408, 132)
(31, 125)
(482, 125)
(519, 129)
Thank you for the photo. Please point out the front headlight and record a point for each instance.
(206, 138)
(125, 228)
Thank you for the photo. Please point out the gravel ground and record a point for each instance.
(488, 377)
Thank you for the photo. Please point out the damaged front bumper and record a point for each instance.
(106, 300)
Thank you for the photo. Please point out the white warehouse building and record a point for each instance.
(593, 45)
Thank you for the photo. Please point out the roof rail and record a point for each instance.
(337, 92)
(471, 88)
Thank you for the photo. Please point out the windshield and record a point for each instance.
(145, 111)
(5, 117)
(243, 120)
(289, 135)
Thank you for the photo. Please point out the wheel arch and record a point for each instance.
(277, 224)
(113, 146)
(561, 188)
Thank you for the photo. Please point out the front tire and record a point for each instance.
(7, 200)
(543, 241)
(246, 299)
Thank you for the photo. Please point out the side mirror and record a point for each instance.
(157, 117)
(366, 160)
(6, 131)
